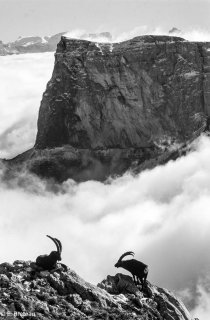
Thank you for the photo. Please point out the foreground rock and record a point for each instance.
(109, 108)
(28, 292)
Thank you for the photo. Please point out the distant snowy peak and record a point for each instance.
(174, 31)
(35, 44)
(26, 41)
(31, 44)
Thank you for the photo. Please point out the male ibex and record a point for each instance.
(48, 262)
(138, 269)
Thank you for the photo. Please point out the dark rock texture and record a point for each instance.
(26, 291)
(109, 107)
(124, 95)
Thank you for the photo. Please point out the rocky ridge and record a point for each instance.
(113, 107)
(29, 293)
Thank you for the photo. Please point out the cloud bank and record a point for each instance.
(23, 79)
(162, 214)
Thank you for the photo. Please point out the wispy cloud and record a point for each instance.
(202, 308)
(190, 34)
(23, 79)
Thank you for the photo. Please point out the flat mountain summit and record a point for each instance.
(29, 293)
(113, 107)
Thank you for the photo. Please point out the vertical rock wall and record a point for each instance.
(206, 81)
(122, 95)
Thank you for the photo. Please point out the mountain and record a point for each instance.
(113, 107)
(36, 44)
(175, 31)
(30, 45)
(28, 292)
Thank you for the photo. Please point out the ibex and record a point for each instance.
(48, 262)
(138, 269)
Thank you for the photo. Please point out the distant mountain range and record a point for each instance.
(175, 31)
(43, 44)
(35, 44)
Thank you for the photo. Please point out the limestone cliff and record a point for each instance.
(121, 95)
(112, 107)
(29, 293)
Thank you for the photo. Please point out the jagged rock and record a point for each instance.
(34, 295)
(109, 108)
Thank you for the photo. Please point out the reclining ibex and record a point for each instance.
(138, 269)
(48, 262)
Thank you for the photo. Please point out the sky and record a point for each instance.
(47, 17)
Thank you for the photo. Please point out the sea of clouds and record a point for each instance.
(161, 214)
(23, 79)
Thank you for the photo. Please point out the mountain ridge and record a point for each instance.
(27, 291)
(36, 44)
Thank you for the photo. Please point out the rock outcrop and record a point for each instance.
(109, 107)
(26, 291)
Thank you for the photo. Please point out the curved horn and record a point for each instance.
(128, 253)
(59, 244)
(56, 243)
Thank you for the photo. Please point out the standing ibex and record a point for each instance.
(138, 269)
(48, 262)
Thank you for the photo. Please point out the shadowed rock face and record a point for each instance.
(125, 95)
(60, 294)
(109, 108)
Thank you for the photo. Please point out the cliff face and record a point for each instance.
(122, 95)
(26, 291)
(112, 107)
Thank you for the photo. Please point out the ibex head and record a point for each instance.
(128, 253)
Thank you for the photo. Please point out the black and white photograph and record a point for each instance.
(105, 159)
